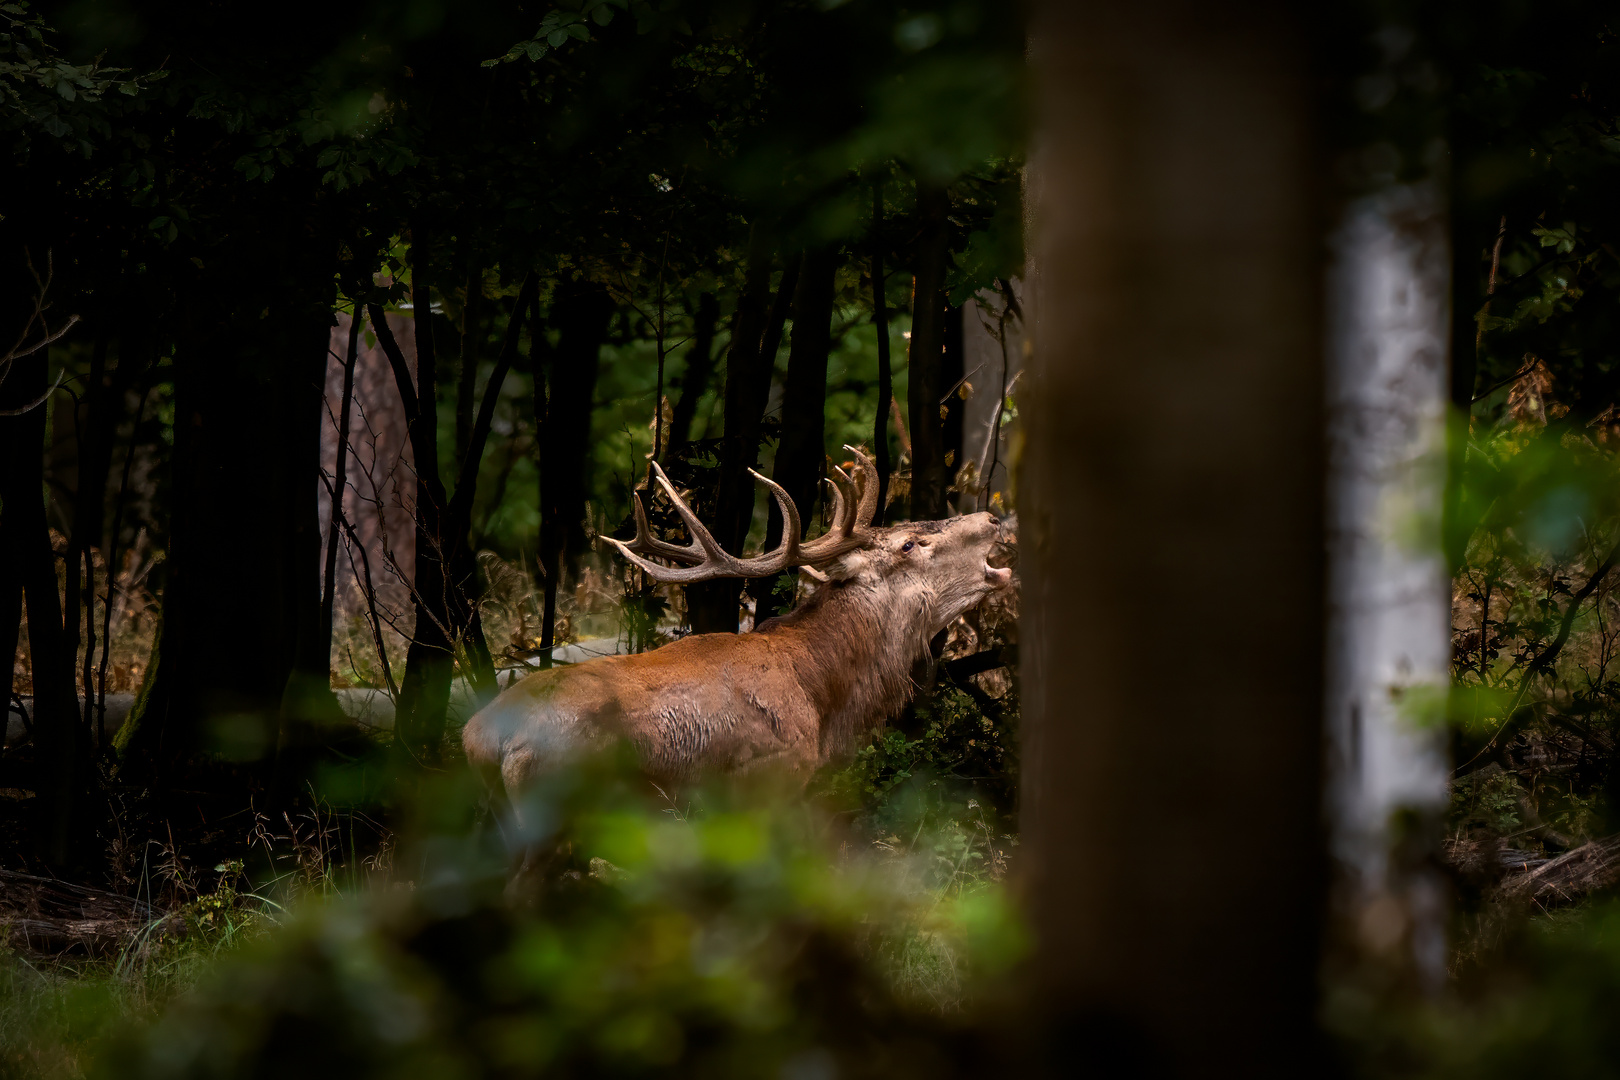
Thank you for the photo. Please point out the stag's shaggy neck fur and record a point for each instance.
(856, 648)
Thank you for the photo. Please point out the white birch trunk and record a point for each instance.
(1389, 638)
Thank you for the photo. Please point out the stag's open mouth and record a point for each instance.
(998, 577)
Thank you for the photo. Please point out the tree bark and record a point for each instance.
(1177, 272)
(424, 691)
(1390, 594)
(339, 479)
(802, 453)
(463, 593)
(85, 528)
(699, 369)
(880, 322)
(712, 606)
(580, 312)
(61, 745)
(925, 380)
(239, 648)
(953, 376)
(471, 335)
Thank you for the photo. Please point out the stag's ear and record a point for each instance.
(849, 565)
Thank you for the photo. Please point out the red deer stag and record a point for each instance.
(800, 690)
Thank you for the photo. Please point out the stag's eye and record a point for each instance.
(907, 546)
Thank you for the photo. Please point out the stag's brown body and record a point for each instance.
(786, 698)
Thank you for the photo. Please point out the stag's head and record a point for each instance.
(939, 569)
(944, 568)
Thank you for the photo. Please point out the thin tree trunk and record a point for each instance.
(79, 595)
(765, 360)
(462, 601)
(953, 377)
(699, 369)
(581, 313)
(424, 693)
(11, 592)
(802, 453)
(339, 479)
(471, 335)
(1389, 595)
(712, 606)
(880, 321)
(925, 379)
(1175, 138)
(59, 737)
(113, 553)
(307, 713)
(104, 401)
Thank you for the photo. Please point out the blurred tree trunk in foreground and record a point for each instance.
(1175, 435)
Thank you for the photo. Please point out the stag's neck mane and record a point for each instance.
(856, 650)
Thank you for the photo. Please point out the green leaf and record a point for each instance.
(329, 156)
(534, 49)
(557, 37)
(580, 31)
(603, 15)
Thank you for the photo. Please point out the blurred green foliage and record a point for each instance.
(706, 932)
(709, 938)
(1543, 1007)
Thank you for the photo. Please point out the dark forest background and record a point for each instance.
(581, 214)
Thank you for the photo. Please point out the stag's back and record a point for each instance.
(706, 703)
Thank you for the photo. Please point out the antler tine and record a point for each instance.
(787, 552)
(837, 539)
(851, 513)
(671, 575)
(648, 544)
(700, 535)
(866, 483)
(848, 524)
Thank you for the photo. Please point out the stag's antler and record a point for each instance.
(705, 558)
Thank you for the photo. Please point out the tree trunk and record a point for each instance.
(307, 711)
(1177, 276)
(241, 598)
(580, 311)
(103, 401)
(953, 377)
(925, 381)
(61, 746)
(471, 335)
(462, 600)
(880, 322)
(712, 606)
(699, 369)
(424, 692)
(339, 478)
(78, 600)
(1390, 594)
(801, 455)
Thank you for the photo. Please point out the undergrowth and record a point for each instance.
(705, 933)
